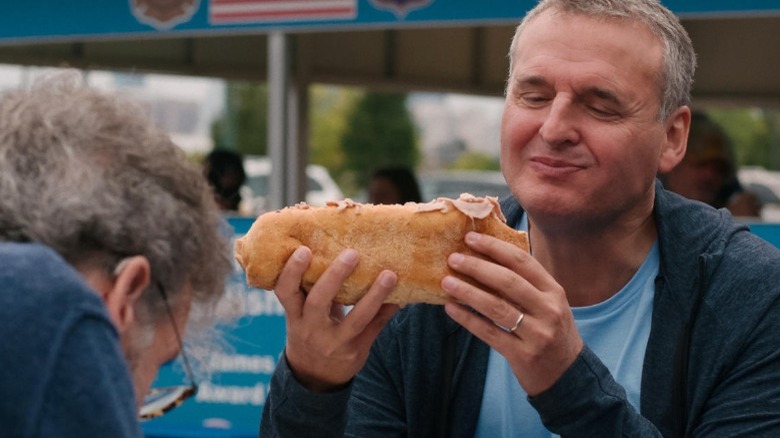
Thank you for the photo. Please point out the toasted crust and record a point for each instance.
(412, 240)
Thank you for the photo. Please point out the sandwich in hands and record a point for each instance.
(413, 240)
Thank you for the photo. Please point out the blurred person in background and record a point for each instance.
(393, 185)
(708, 172)
(224, 170)
(109, 241)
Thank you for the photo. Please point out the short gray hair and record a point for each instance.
(88, 174)
(679, 58)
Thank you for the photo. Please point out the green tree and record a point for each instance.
(243, 126)
(329, 109)
(351, 132)
(475, 161)
(380, 132)
(750, 131)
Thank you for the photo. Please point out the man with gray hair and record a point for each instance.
(108, 239)
(637, 312)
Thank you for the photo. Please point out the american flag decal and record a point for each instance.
(401, 7)
(271, 11)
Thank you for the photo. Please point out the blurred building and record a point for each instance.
(183, 106)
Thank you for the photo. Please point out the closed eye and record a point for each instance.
(602, 103)
(534, 100)
(602, 112)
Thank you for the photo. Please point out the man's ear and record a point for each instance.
(677, 126)
(132, 279)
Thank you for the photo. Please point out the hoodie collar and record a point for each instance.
(687, 230)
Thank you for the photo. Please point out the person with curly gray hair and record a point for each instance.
(109, 240)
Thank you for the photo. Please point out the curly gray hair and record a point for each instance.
(89, 175)
(676, 78)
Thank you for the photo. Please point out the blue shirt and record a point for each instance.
(617, 330)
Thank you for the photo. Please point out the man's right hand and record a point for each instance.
(325, 347)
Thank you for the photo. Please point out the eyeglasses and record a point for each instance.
(161, 400)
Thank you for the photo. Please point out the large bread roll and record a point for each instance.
(412, 240)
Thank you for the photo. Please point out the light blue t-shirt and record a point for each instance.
(616, 330)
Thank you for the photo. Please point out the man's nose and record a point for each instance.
(560, 124)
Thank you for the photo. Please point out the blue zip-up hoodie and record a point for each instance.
(712, 366)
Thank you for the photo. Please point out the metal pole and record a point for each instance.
(287, 108)
(278, 74)
(297, 122)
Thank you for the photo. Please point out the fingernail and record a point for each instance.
(472, 237)
(448, 283)
(387, 279)
(349, 256)
(300, 254)
(456, 258)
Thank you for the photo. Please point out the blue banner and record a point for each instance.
(53, 20)
(726, 8)
(767, 231)
(96, 19)
(230, 401)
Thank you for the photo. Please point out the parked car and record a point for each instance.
(451, 183)
(320, 189)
